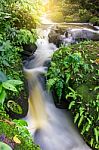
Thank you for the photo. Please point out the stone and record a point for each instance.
(83, 34)
(29, 50)
(73, 34)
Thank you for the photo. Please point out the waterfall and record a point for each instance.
(50, 127)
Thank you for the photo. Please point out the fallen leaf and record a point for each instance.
(16, 140)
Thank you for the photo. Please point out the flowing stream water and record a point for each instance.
(50, 127)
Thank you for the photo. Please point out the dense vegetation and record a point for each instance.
(15, 134)
(74, 76)
(18, 21)
(75, 11)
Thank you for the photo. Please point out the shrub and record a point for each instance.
(84, 15)
(15, 133)
(73, 74)
(94, 20)
(20, 14)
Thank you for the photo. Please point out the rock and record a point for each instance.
(21, 102)
(47, 63)
(82, 34)
(29, 50)
(54, 38)
(55, 35)
(63, 35)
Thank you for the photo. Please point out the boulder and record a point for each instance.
(55, 35)
(82, 34)
(54, 38)
(70, 35)
(29, 50)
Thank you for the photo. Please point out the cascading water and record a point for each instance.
(51, 127)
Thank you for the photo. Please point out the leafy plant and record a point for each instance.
(74, 76)
(25, 36)
(7, 85)
(62, 74)
(15, 133)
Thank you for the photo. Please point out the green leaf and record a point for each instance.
(0, 88)
(96, 132)
(2, 49)
(91, 142)
(3, 77)
(87, 127)
(84, 128)
(4, 146)
(89, 121)
(9, 86)
(16, 108)
(14, 82)
(96, 88)
(20, 122)
(81, 111)
(6, 63)
(2, 97)
(71, 104)
(80, 121)
(76, 117)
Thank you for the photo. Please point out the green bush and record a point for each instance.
(84, 15)
(17, 22)
(20, 14)
(94, 20)
(10, 61)
(15, 133)
(74, 76)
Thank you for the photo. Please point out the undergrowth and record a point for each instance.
(74, 76)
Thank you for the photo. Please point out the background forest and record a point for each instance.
(75, 11)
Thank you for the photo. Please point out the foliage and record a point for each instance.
(62, 74)
(10, 59)
(84, 15)
(76, 79)
(15, 133)
(5, 87)
(17, 22)
(78, 10)
(21, 13)
(94, 20)
(25, 36)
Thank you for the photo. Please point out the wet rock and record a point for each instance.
(54, 38)
(81, 34)
(55, 35)
(47, 63)
(20, 108)
(29, 50)
(70, 35)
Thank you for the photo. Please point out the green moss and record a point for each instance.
(10, 129)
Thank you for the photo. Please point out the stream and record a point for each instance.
(52, 128)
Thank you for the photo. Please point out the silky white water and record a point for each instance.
(50, 127)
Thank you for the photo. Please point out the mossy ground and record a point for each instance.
(15, 135)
